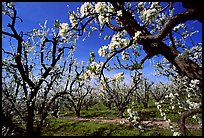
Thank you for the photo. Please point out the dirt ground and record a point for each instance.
(154, 123)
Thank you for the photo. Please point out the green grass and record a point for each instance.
(61, 127)
(98, 110)
(65, 127)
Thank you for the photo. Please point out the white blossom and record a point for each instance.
(72, 19)
(136, 36)
(119, 13)
(140, 127)
(63, 28)
(176, 28)
(141, 4)
(119, 76)
(125, 41)
(171, 95)
(103, 51)
(100, 7)
(148, 13)
(122, 122)
(129, 110)
(158, 106)
(86, 8)
(102, 20)
(125, 55)
(176, 134)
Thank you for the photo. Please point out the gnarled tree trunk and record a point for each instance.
(185, 67)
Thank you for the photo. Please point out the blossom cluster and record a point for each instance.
(134, 119)
(94, 69)
(6, 8)
(136, 36)
(101, 9)
(72, 19)
(63, 28)
(180, 86)
(118, 77)
(103, 51)
(86, 8)
(149, 14)
(117, 41)
(125, 55)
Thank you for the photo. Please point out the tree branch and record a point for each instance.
(112, 55)
(190, 14)
(181, 121)
(115, 28)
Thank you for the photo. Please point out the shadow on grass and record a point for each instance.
(103, 132)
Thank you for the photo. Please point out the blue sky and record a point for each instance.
(34, 13)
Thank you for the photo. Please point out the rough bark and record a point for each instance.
(30, 121)
(78, 114)
(145, 105)
(181, 121)
(120, 113)
(185, 67)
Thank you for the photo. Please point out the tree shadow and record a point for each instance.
(103, 132)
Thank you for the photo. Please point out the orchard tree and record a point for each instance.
(119, 92)
(91, 99)
(105, 99)
(32, 63)
(185, 99)
(137, 27)
(159, 91)
(145, 27)
(143, 91)
(12, 110)
(76, 85)
(149, 26)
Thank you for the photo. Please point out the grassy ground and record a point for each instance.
(61, 127)
(64, 127)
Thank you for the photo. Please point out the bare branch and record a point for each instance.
(170, 4)
(144, 59)
(115, 28)
(9, 34)
(9, 53)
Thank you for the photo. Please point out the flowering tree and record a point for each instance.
(149, 27)
(119, 92)
(105, 99)
(33, 64)
(137, 27)
(185, 100)
(159, 91)
(78, 86)
(144, 91)
(91, 99)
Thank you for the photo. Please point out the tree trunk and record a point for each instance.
(120, 113)
(77, 110)
(185, 67)
(78, 113)
(87, 107)
(30, 121)
(181, 121)
(145, 105)
(109, 106)
(41, 123)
